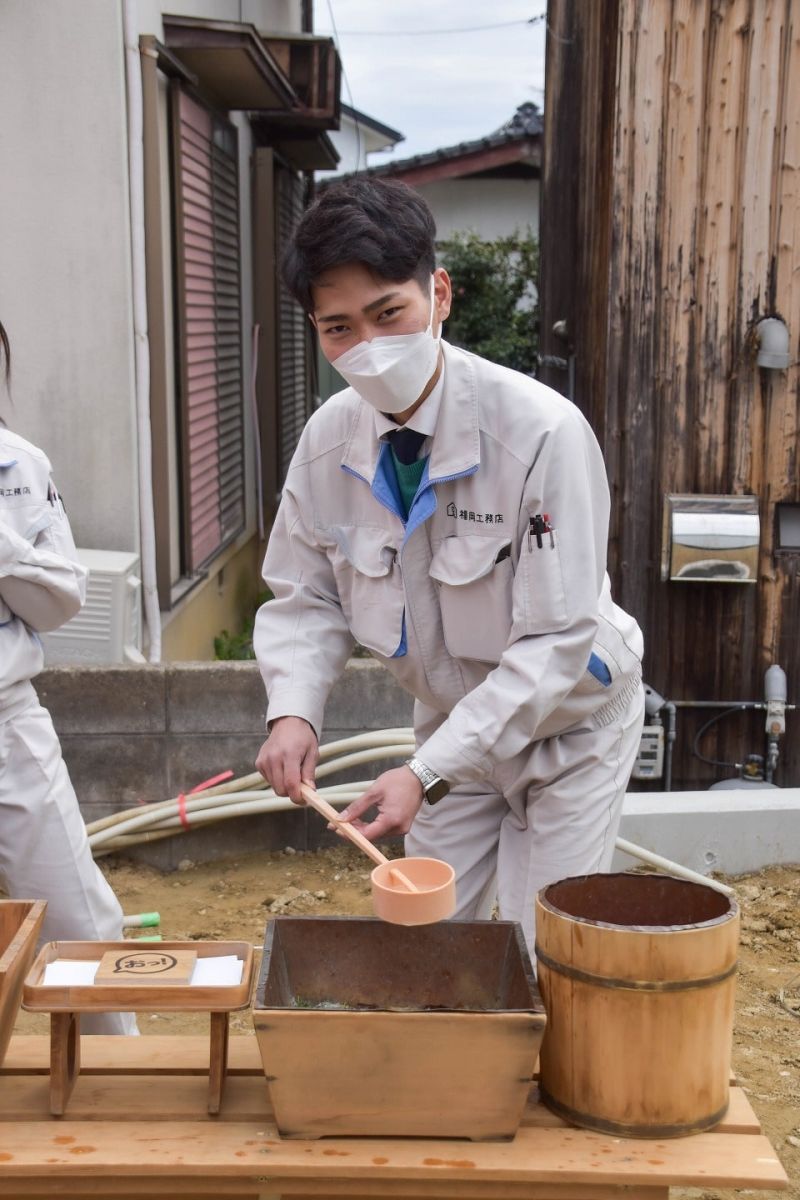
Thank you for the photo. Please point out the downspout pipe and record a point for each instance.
(147, 525)
(670, 710)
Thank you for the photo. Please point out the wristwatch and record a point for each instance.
(433, 787)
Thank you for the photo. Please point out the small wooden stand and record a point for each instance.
(65, 1058)
(66, 1002)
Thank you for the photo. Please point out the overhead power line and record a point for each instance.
(433, 32)
(359, 137)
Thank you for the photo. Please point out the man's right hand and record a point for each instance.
(289, 756)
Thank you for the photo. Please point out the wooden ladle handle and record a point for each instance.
(312, 797)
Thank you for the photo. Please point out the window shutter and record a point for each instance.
(229, 338)
(207, 244)
(294, 407)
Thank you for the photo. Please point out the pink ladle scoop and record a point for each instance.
(408, 891)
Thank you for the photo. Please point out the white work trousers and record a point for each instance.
(553, 815)
(44, 850)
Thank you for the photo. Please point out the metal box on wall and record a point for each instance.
(710, 539)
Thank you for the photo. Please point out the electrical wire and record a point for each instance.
(716, 762)
(433, 32)
(359, 136)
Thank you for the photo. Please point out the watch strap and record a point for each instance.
(433, 786)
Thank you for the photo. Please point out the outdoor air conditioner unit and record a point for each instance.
(108, 629)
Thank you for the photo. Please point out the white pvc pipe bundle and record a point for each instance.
(248, 796)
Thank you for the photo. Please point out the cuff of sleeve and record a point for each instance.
(296, 702)
(445, 755)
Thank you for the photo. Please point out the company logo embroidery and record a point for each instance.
(463, 514)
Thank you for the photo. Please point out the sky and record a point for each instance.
(438, 89)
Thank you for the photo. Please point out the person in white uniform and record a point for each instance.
(451, 516)
(44, 850)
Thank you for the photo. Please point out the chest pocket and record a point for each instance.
(369, 585)
(475, 578)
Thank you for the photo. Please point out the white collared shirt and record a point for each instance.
(423, 420)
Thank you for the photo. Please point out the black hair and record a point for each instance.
(382, 224)
(6, 349)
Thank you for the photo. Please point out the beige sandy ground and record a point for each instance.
(235, 899)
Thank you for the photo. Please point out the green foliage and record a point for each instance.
(238, 646)
(494, 297)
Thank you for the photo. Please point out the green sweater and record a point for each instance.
(408, 479)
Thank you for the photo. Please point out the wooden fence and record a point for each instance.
(670, 226)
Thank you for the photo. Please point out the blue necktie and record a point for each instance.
(406, 444)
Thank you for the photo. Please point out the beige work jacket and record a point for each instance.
(511, 635)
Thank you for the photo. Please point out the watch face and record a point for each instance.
(437, 790)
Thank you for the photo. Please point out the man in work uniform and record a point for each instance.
(451, 516)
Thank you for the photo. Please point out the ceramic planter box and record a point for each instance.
(20, 922)
(367, 1028)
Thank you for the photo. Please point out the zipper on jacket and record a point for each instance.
(385, 497)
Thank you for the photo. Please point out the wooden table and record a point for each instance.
(137, 1126)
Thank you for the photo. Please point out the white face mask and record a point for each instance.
(390, 373)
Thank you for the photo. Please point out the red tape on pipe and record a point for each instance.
(201, 787)
(182, 811)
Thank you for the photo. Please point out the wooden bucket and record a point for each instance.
(637, 975)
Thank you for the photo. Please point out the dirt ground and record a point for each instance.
(235, 899)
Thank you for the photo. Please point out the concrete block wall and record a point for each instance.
(147, 733)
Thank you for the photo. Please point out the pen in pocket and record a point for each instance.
(537, 527)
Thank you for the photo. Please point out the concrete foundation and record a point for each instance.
(132, 734)
(733, 832)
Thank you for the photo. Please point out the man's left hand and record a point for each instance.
(397, 795)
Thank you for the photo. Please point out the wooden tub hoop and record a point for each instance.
(633, 985)
(600, 1125)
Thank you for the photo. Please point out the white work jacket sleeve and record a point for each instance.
(301, 638)
(555, 597)
(41, 580)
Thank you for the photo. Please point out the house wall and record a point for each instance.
(353, 144)
(224, 598)
(699, 190)
(492, 208)
(65, 289)
(268, 16)
(65, 270)
(221, 602)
